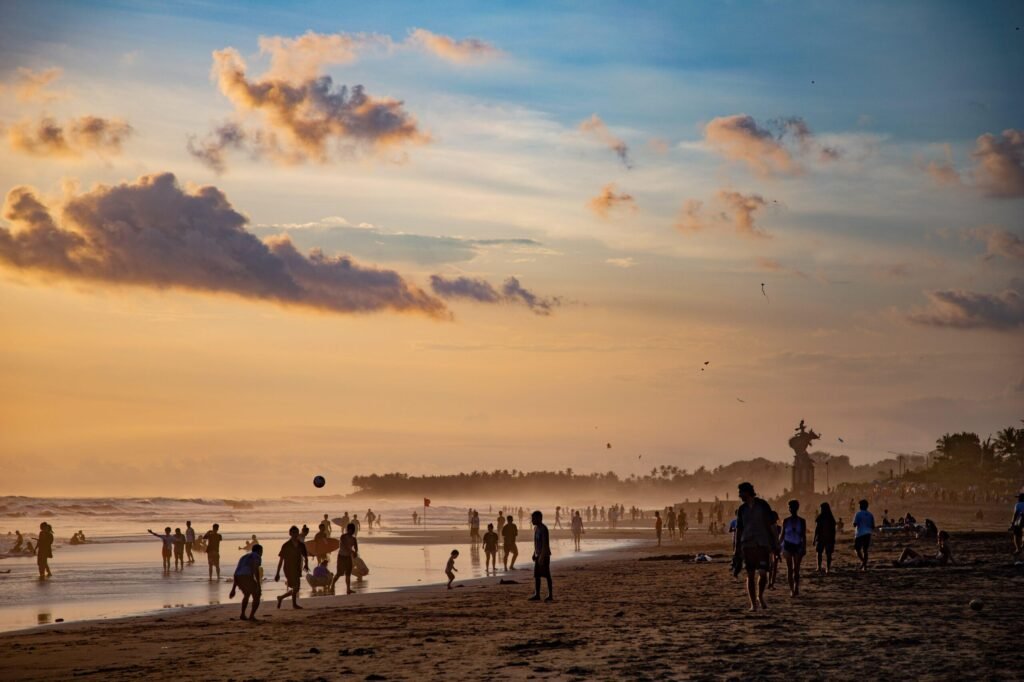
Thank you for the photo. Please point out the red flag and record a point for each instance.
(426, 501)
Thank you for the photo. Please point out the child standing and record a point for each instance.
(450, 569)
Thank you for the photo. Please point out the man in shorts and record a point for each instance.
(490, 549)
(247, 579)
(756, 542)
(864, 524)
(190, 541)
(508, 534)
(541, 556)
(293, 559)
(213, 539)
(346, 557)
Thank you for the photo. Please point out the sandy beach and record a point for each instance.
(639, 612)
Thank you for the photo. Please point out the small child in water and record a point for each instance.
(450, 569)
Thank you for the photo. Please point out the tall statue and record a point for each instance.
(803, 466)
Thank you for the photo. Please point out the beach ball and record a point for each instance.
(319, 481)
(977, 604)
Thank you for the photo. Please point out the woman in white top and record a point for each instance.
(794, 545)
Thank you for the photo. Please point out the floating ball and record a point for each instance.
(976, 604)
(319, 481)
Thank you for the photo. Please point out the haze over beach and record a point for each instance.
(667, 266)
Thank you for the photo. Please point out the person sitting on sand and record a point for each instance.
(292, 558)
(541, 557)
(247, 579)
(794, 546)
(1016, 525)
(490, 549)
(213, 538)
(756, 542)
(577, 529)
(44, 550)
(825, 536)
(450, 570)
(347, 552)
(510, 549)
(864, 525)
(943, 556)
(179, 550)
(166, 548)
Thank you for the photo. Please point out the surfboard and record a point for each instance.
(319, 547)
(359, 568)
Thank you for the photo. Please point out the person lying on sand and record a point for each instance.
(247, 579)
(943, 557)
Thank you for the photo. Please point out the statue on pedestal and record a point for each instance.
(803, 466)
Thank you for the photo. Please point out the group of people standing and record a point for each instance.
(181, 546)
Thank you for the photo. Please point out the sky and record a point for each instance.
(242, 244)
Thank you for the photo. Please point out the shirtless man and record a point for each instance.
(490, 549)
(292, 558)
(347, 553)
(508, 534)
(541, 556)
(213, 539)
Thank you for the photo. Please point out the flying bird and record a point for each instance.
(609, 446)
(741, 400)
(841, 440)
(765, 293)
(707, 362)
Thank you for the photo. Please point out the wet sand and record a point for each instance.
(616, 617)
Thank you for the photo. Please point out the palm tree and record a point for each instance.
(1009, 444)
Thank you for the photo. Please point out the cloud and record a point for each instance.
(72, 139)
(689, 219)
(296, 60)
(594, 127)
(152, 233)
(773, 265)
(482, 291)
(607, 199)
(739, 138)
(999, 159)
(626, 262)
(211, 150)
(31, 86)
(744, 208)
(659, 145)
(999, 242)
(962, 309)
(466, 51)
(311, 119)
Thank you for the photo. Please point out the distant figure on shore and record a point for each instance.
(44, 550)
(190, 541)
(1016, 525)
(213, 538)
(657, 526)
(328, 528)
(247, 579)
(166, 548)
(490, 549)
(78, 538)
(558, 517)
(541, 556)
(449, 569)
(19, 541)
(305, 531)
(347, 553)
(370, 518)
(864, 525)
(700, 516)
(756, 542)
(510, 549)
(773, 569)
(500, 525)
(415, 519)
(293, 558)
(670, 518)
(474, 528)
(794, 546)
(179, 550)
(825, 536)
(577, 530)
(943, 556)
(249, 543)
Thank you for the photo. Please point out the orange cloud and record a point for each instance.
(960, 309)
(608, 199)
(466, 51)
(999, 159)
(300, 59)
(594, 127)
(31, 86)
(739, 138)
(690, 219)
(744, 209)
(72, 139)
(151, 233)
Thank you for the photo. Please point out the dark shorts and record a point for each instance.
(826, 547)
(510, 547)
(248, 585)
(1018, 531)
(293, 579)
(344, 564)
(794, 548)
(862, 542)
(756, 558)
(542, 567)
(213, 558)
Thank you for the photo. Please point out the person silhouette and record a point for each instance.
(247, 579)
(44, 550)
(292, 558)
(509, 547)
(190, 541)
(166, 548)
(541, 556)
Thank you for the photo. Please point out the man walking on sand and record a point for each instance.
(864, 523)
(756, 541)
(541, 556)
(508, 534)
(292, 558)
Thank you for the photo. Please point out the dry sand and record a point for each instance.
(615, 617)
